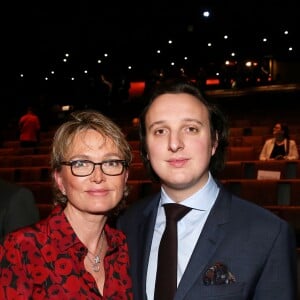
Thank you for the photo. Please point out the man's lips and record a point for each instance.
(177, 162)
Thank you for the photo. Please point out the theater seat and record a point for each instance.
(231, 170)
(241, 153)
(261, 192)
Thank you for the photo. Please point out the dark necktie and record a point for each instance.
(166, 276)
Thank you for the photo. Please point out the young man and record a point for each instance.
(228, 248)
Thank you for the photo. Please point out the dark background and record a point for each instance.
(37, 34)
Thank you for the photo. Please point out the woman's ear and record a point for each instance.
(59, 182)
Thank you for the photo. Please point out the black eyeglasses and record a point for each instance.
(82, 168)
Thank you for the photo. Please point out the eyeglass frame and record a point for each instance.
(71, 163)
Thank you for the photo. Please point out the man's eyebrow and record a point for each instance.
(156, 123)
(184, 120)
(193, 120)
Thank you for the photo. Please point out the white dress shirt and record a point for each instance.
(189, 229)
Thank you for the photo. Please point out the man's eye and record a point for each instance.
(192, 129)
(159, 131)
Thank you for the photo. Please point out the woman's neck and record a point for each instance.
(279, 139)
(88, 227)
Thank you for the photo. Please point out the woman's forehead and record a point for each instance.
(91, 140)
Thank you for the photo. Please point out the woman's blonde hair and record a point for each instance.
(82, 121)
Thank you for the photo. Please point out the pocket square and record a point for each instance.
(218, 274)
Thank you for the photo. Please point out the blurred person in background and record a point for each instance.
(29, 128)
(280, 146)
(133, 132)
(17, 208)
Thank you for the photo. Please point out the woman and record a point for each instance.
(74, 253)
(280, 146)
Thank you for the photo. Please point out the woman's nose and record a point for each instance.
(97, 175)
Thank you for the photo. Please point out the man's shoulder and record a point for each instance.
(270, 140)
(251, 212)
(247, 210)
(140, 207)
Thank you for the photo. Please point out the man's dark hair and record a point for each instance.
(217, 120)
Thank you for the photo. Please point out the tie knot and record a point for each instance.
(175, 211)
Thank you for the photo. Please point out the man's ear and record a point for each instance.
(215, 145)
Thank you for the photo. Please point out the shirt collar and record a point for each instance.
(203, 199)
(61, 230)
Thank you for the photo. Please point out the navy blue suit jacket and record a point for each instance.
(258, 248)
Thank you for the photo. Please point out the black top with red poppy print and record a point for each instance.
(46, 261)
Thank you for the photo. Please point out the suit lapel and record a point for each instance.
(212, 235)
(146, 230)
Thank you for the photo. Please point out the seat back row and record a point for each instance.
(16, 143)
(31, 160)
(288, 169)
(24, 174)
(35, 160)
(267, 191)
(25, 150)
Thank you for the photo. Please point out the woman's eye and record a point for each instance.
(111, 163)
(79, 163)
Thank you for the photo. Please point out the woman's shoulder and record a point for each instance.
(292, 141)
(23, 236)
(270, 141)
